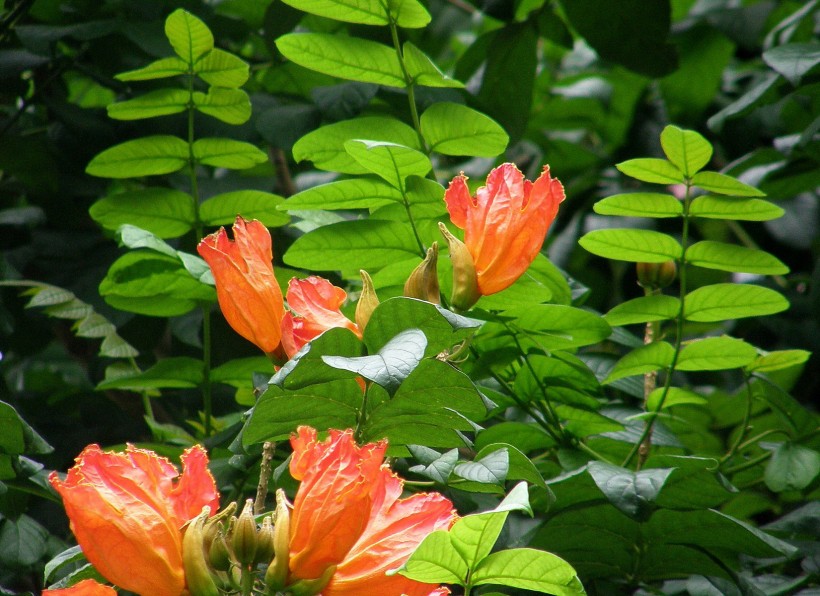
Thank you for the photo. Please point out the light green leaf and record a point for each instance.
(228, 105)
(792, 467)
(435, 561)
(409, 14)
(724, 185)
(391, 162)
(528, 569)
(189, 36)
(172, 373)
(222, 69)
(778, 360)
(155, 103)
(716, 207)
(159, 69)
(793, 60)
(353, 245)
(364, 12)
(148, 156)
(650, 169)
(640, 204)
(687, 149)
(731, 257)
(454, 129)
(674, 397)
(325, 147)
(165, 212)
(657, 307)
(559, 327)
(721, 302)
(716, 353)
(227, 153)
(423, 71)
(358, 193)
(344, 57)
(626, 244)
(221, 210)
(645, 359)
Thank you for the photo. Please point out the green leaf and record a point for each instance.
(134, 237)
(171, 373)
(650, 169)
(238, 372)
(155, 103)
(778, 360)
(721, 302)
(731, 257)
(529, 569)
(148, 156)
(490, 469)
(715, 207)
(716, 353)
(69, 556)
(583, 423)
(221, 210)
(454, 129)
(409, 14)
(687, 149)
(632, 493)
(222, 69)
(519, 467)
(353, 245)
(423, 71)
(724, 185)
(165, 212)
(325, 147)
(645, 359)
(227, 153)
(640, 204)
(12, 440)
(626, 244)
(791, 467)
(435, 561)
(23, 542)
(657, 307)
(793, 60)
(364, 12)
(159, 69)
(189, 36)
(153, 284)
(560, 327)
(232, 106)
(343, 57)
(674, 397)
(358, 193)
(439, 469)
(558, 372)
(391, 162)
(393, 363)
(431, 405)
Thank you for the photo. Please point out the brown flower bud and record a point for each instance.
(654, 276)
(423, 282)
(368, 301)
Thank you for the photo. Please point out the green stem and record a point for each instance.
(744, 427)
(653, 416)
(146, 400)
(246, 582)
(408, 81)
(207, 399)
(748, 464)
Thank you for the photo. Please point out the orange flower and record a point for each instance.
(317, 304)
(87, 587)
(248, 293)
(505, 223)
(127, 511)
(348, 513)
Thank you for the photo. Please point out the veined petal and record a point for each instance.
(196, 487)
(87, 587)
(458, 200)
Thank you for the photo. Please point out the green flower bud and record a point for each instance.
(198, 576)
(423, 282)
(243, 537)
(465, 282)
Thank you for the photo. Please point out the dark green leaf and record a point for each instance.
(156, 103)
(164, 212)
(791, 467)
(159, 69)
(560, 327)
(490, 469)
(221, 210)
(632, 493)
(793, 60)
(23, 542)
(172, 373)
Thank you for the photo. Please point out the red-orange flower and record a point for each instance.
(87, 587)
(505, 223)
(316, 303)
(249, 295)
(348, 513)
(127, 511)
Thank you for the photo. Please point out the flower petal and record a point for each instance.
(458, 200)
(86, 587)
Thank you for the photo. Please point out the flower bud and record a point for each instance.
(423, 282)
(219, 555)
(198, 576)
(311, 587)
(264, 545)
(368, 301)
(654, 276)
(465, 282)
(243, 538)
(277, 574)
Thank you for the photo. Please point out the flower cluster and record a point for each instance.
(348, 526)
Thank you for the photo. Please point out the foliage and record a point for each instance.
(664, 431)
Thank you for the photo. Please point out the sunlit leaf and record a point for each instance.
(657, 307)
(165, 212)
(189, 36)
(675, 396)
(687, 149)
(529, 569)
(725, 185)
(221, 210)
(640, 204)
(778, 360)
(357, 193)
(626, 244)
(423, 71)
(221, 68)
(155, 103)
(227, 153)
(454, 129)
(645, 359)
(148, 156)
(731, 257)
(720, 302)
(716, 353)
(228, 105)
(716, 207)
(391, 162)
(159, 69)
(649, 169)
